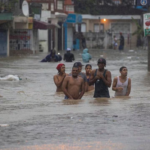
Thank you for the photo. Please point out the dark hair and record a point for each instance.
(122, 68)
(75, 67)
(88, 65)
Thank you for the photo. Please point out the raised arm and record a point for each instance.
(58, 82)
(129, 87)
(114, 88)
(92, 78)
(82, 89)
(64, 87)
(107, 80)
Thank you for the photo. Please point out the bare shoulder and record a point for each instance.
(83, 73)
(81, 79)
(93, 71)
(67, 77)
(129, 79)
(108, 72)
(115, 78)
(55, 76)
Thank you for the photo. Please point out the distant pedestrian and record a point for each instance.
(122, 84)
(115, 44)
(83, 40)
(88, 69)
(86, 57)
(121, 46)
(68, 56)
(52, 57)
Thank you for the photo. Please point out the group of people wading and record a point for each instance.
(75, 84)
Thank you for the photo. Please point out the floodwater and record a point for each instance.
(33, 117)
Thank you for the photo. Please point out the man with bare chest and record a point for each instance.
(73, 86)
(59, 78)
(102, 80)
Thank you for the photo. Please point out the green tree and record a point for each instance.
(8, 6)
(105, 7)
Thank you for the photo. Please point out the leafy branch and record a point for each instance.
(7, 6)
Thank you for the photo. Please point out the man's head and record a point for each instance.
(88, 68)
(78, 65)
(61, 68)
(75, 71)
(120, 33)
(123, 71)
(68, 50)
(101, 63)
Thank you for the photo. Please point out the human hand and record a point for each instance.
(119, 89)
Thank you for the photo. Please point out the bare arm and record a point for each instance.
(64, 87)
(129, 87)
(92, 78)
(82, 90)
(108, 80)
(85, 86)
(114, 88)
(58, 82)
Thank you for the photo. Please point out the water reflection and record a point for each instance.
(72, 102)
(101, 101)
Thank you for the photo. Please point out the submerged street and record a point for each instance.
(33, 116)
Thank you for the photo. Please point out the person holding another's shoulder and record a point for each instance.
(59, 78)
(122, 84)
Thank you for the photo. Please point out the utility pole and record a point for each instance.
(148, 38)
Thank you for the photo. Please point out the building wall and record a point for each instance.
(107, 39)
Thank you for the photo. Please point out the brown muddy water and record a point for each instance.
(33, 117)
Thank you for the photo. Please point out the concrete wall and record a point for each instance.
(43, 34)
(130, 40)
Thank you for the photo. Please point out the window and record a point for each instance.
(44, 6)
(83, 27)
(101, 27)
(70, 8)
(96, 27)
(52, 6)
(60, 5)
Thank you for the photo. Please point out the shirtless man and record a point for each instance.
(88, 69)
(122, 84)
(81, 74)
(73, 86)
(102, 79)
(59, 78)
